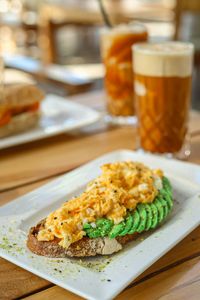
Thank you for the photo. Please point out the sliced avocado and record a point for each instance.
(143, 217)
(160, 209)
(169, 201)
(104, 225)
(100, 222)
(154, 215)
(128, 226)
(136, 221)
(167, 185)
(106, 228)
(149, 216)
(93, 233)
(167, 198)
(165, 206)
(87, 226)
(116, 230)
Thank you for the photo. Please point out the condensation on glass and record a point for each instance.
(116, 53)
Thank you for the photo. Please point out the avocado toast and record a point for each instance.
(127, 199)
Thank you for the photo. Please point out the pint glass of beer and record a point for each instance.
(162, 81)
(117, 57)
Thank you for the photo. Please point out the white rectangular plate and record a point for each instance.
(103, 277)
(58, 115)
(75, 74)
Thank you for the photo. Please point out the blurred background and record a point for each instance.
(57, 41)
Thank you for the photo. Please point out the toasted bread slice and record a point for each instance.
(20, 95)
(82, 248)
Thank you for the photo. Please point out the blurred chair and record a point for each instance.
(53, 27)
(187, 28)
(55, 16)
(187, 24)
(182, 7)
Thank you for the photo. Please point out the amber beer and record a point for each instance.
(116, 53)
(162, 79)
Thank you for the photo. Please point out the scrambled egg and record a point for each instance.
(119, 188)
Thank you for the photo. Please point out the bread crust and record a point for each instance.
(20, 123)
(20, 95)
(82, 248)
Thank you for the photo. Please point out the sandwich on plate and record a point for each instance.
(128, 198)
(20, 108)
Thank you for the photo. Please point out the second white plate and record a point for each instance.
(58, 115)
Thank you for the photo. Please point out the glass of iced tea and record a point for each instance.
(162, 83)
(116, 53)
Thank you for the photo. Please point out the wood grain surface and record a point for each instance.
(44, 159)
(53, 156)
(16, 282)
(175, 276)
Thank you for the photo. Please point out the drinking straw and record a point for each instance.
(104, 14)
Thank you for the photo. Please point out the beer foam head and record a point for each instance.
(165, 59)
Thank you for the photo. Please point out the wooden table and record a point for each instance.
(24, 168)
